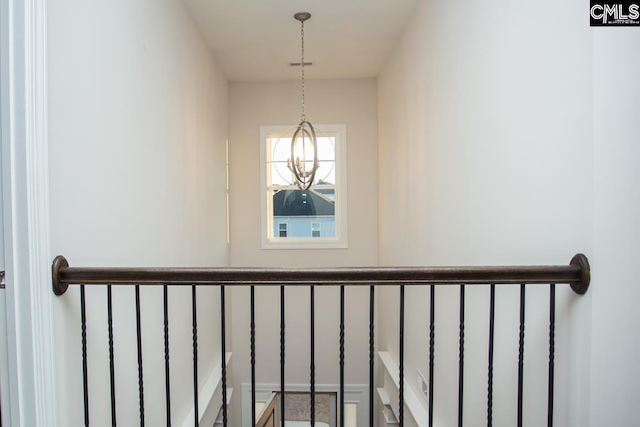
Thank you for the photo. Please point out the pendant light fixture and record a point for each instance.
(304, 142)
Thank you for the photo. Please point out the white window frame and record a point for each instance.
(269, 241)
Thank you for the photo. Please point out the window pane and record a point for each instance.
(301, 210)
(326, 173)
(280, 151)
(280, 174)
(280, 147)
(325, 192)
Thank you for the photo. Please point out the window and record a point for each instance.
(315, 229)
(313, 218)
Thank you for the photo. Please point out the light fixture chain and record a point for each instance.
(304, 137)
(303, 117)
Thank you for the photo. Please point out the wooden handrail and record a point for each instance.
(576, 274)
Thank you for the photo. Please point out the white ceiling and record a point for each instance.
(255, 40)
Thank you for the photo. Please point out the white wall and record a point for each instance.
(615, 376)
(352, 102)
(486, 157)
(138, 123)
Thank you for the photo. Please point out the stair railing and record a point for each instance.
(576, 275)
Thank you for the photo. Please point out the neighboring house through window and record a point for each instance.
(315, 229)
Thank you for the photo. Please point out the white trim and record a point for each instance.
(209, 398)
(387, 411)
(220, 420)
(341, 240)
(353, 393)
(411, 400)
(8, 379)
(32, 390)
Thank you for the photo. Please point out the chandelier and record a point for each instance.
(303, 142)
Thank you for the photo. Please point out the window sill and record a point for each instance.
(304, 243)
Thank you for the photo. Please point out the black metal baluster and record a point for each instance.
(401, 373)
(521, 355)
(196, 410)
(223, 342)
(312, 378)
(85, 373)
(341, 356)
(490, 373)
(372, 295)
(282, 356)
(253, 356)
(140, 368)
(461, 358)
(432, 348)
(112, 380)
(552, 346)
(166, 355)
